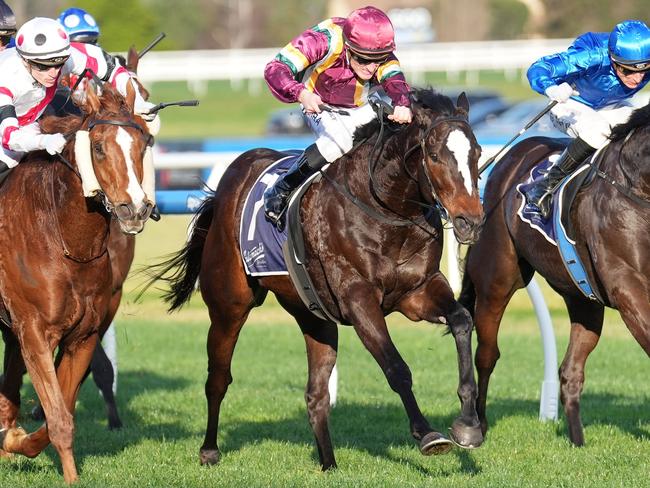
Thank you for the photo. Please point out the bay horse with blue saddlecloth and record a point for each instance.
(373, 242)
(609, 224)
(55, 273)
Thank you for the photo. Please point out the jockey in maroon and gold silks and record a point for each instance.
(318, 60)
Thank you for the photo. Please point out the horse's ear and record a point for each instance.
(463, 103)
(130, 96)
(88, 100)
(132, 60)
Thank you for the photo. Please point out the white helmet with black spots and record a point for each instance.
(44, 41)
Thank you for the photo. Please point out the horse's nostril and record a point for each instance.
(124, 211)
(461, 223)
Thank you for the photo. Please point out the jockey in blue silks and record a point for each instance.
(7, 26)
(592, 82)
(80, 25)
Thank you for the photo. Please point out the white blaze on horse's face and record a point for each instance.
(134, 189)
(458, 144)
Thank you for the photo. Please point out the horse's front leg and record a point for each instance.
(435, 303)
(362, 309)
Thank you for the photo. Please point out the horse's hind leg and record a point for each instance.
(321, 339)
(229, 304)
(364, 312)
(586, 326)
(104, 376)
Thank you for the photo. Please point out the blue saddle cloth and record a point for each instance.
(554, 229)
(259, 240)
(534, 219)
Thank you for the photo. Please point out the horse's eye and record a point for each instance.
(434, 157)
(98, 148)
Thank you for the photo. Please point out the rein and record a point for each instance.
(375, 188)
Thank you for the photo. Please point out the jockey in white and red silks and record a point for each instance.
(29, 76)
(335, 63)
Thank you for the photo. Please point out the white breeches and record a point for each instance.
(334, 132)
(592, 126)
(12, 158)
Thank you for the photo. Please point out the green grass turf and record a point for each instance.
(265, 437)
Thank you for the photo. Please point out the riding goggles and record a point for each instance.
(56, 63)
(365, 60)
(628, 70)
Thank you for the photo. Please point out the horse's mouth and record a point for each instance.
(466, 230)
(134, 226)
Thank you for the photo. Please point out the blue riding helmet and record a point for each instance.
(629, 45)
(80, 25)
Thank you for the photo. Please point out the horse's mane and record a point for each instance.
(639, 118)
(425, 98)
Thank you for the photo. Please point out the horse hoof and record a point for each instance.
(434, 444)
(209, 457)
(466, 436)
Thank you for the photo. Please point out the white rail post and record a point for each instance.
(548, 402)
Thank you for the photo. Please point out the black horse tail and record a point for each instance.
(467, 297)
(181, 269)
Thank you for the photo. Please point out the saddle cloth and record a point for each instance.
(259, 240)
(557, 228)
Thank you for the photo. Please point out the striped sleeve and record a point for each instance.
(282, 73)
(394, 83)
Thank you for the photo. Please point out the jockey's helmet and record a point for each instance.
(7, 20)
(44, 41)
(80, 25)
(629, 45)
(368, 32)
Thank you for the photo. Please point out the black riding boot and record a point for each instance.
(277, 196)
(538, 196)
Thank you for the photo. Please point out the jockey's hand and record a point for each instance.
(560, 93)
(401, 115)
(310, 101)
(53, 143)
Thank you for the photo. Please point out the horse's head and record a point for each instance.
(449, 152)
(113, 156)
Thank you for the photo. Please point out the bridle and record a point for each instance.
(373, 162)
(149, 141)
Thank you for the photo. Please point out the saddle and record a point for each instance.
(266, 251)
(559, 229)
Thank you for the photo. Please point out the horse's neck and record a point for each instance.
(626, 167)
(378, 172)
(81, 222)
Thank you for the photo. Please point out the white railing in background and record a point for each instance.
(446, 57)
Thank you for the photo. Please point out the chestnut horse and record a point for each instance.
(373, 237)
(55, 278)
(612, 234)
(121, 250)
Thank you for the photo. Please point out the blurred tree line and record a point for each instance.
(224, 24)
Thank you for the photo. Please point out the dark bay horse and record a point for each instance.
(55, 275)
(612, 232)
(366, 260)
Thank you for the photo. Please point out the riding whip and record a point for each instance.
(546, 109)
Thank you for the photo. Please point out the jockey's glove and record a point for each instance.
(53, 143)
(560, 93)
(142, 108)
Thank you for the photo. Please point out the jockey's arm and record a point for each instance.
(392, 80)
(107, 68)
(28, 137)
